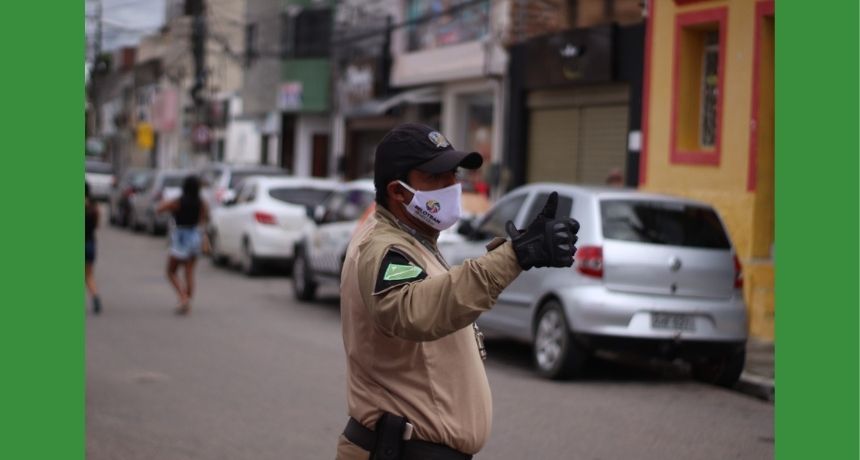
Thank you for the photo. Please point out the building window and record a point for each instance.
(250, 43)
(307, 34)
(479, 124)
(476, 112)
(219, 152)
(698, 86)
(710, 78)
(435, 23)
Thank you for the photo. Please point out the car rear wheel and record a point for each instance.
(723, 370)
(133, 223)
(151, 226)
(304, 287)
(218, 259)
(123, 216)
(556, 353)
(249, 263)
(114, 219)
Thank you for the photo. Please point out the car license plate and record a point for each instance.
(672, 322)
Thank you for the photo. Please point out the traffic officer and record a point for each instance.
(416, 385)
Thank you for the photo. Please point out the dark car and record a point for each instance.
(119, 200)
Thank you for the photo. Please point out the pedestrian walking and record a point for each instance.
(416, 384)
(91, 222)
(190, 215)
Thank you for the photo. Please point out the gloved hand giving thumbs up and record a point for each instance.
(547, 241)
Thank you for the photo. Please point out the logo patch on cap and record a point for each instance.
(438, 139)
(433, 206)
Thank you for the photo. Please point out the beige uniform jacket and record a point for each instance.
(407, 330)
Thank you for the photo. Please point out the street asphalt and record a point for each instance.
(254, 374)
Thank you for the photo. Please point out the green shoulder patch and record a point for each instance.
(396, 269)
(395, 272)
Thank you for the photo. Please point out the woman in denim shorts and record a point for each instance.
(91, 221)
(190, 215)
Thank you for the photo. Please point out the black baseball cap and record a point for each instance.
(416, 146)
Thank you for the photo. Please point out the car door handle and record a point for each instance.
(675, 263)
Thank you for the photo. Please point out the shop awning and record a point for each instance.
(423, 95)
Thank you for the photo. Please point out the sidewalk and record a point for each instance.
(758, 376)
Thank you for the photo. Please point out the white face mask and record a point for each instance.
(439, 209)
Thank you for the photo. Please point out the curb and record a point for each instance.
(756, 385)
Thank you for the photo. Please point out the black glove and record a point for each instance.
(547, 241)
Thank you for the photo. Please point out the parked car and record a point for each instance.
(221, 180)
(319, 254)
(653, 274)
(265, 221)
(160, 186)
(119, 201)
(100, 177)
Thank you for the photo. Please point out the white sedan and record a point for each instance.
(319, 255)
(265, 221)
(99, 176)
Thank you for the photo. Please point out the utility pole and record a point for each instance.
(197, 10)
(97, 47)
(383, 88)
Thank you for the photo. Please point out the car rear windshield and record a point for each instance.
(173, 181)
(99, 168)
(140, 178)
(304, 196)
(354, 204)
(238, 176)
(658, 222)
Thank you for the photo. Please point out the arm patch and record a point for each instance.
(396, 269)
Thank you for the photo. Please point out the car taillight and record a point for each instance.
(264, 218)
(589, 261)
(739, 274)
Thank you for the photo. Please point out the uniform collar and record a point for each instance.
(386, 216)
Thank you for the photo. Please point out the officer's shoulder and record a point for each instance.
(396, 267)
(378, 240)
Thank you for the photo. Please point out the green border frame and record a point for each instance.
(817, 277)
(817, 229)
(42, 322)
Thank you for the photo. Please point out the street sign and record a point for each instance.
(201, 134)
(290, 95)
(145, 138)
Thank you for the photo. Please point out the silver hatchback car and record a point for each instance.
(653, 275)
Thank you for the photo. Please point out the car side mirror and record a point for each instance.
(229, 201)
(319, 213)
(466, 228)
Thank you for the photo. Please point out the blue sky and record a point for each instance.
(124, 22)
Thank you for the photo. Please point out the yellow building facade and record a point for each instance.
(707, 125)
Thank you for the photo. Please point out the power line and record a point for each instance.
(127, 4)
(409, 22)
(118, 25)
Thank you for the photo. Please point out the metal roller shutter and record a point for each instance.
(577, 136)
(602, 142)
(553, 145)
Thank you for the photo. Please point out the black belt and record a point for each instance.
(413, 449)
